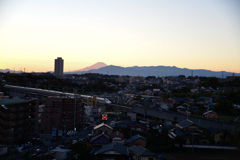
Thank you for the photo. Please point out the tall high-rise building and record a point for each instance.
(58, 69)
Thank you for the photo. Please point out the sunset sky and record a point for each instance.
(194, 34)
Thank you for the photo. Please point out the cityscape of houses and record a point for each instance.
(96, 116)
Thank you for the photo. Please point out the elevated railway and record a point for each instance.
(164, 115)
(143, 112)
(21, 92)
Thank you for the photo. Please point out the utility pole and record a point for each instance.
(192, 141)
(75, 112)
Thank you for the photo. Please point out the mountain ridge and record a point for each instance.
(94, 66)
(161, 71)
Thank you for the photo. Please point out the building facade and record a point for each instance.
(92, 101)
(62, 114)
(58, 68)
(18, 121)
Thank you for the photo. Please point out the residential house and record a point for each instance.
(61, 154)
(141, 153)
(210, 115)
(116, 151)
(137, 140)
(186, 132)
(220, 137)
(190, 133)
(100, 140)
(130, 124)
(117, 137)
(102, 128)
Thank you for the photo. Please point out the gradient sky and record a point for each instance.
(195, 34)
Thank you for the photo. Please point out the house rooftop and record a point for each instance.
(184, 124)
(100, 135)
(117, 147)
(101, 125)
(126, 124)
(61, 150)
(141, 151)
(117, 134)
(209, 112)
(133, 138)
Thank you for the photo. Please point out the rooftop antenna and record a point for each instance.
(24, 70)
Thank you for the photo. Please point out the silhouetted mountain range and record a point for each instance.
(145, 71)
(10, 71)
(157, 71)
(95, 66)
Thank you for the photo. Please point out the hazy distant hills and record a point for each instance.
(145, 71)
(156, 71)
(95, 66)
(10, 71)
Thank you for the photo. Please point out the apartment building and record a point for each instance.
(62, 114)
(18, 121)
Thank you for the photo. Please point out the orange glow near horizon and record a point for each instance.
(181, 34)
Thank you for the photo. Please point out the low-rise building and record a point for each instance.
(210, 115)
(100, 140)
(190, 133)
(113, 151)
(60, 154)
(136, 140)
(220, 137)
(141, 153)
(117, 137)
